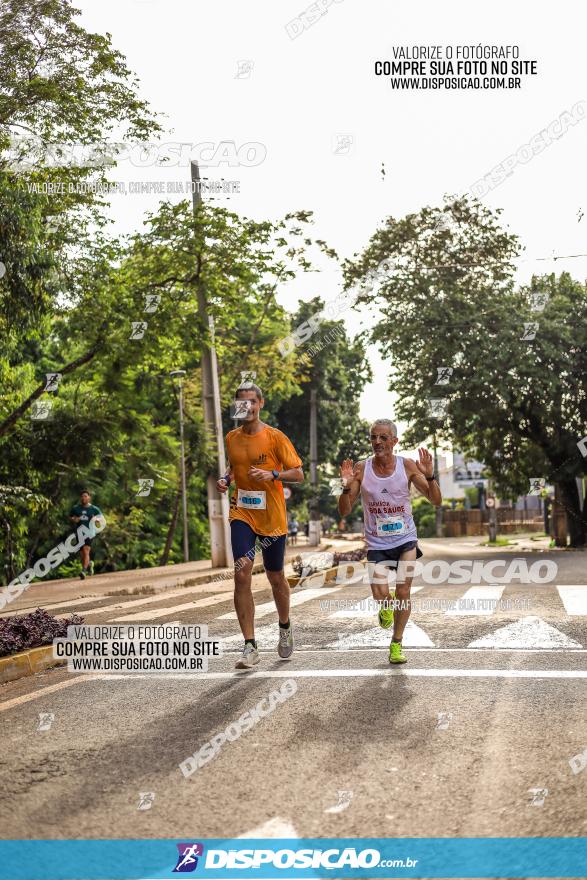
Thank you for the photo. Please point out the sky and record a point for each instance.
(325, 124)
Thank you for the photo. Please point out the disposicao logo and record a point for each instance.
(328, 859)
(187, 860)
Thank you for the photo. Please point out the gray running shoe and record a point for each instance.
(82, 574)
(285, 645)
(248, 658)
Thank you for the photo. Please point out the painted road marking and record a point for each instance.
(363, 673)
(306, 649)
(153, 614)
(528, 632)
(472, 601)
(67, 604)
(190, 676)
(152, 600)
(363, 607)
(574, 598)
(378, 637)
(296, 599)
(276, 827)
(266, 637)
(34, 695)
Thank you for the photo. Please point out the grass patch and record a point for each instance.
(499, 542)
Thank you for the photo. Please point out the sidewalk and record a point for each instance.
(517, 540)
(149, 580)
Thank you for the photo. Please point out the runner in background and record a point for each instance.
(384, 480)
(83, 514)
(293, 529)
(259, 458)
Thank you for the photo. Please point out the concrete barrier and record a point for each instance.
(28, 663)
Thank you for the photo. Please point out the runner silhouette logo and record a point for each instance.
(187, 860)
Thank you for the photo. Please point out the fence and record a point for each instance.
(458, 523)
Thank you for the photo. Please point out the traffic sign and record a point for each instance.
(490, 502)
(286, 493)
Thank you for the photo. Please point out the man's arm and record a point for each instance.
(285, 454)
(292, 475)
(419, 473)
(222, 484)
(351, 479)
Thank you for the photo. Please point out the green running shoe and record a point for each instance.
(396, 655)
(385, 616)
(91, 568)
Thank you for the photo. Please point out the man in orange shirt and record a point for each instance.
(259, 458)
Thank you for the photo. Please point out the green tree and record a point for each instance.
(448, 299)
(337, 369)
(114, 419)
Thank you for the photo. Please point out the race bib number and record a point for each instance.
(390, 526)
(251, 500)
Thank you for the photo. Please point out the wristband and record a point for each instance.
(226, 479)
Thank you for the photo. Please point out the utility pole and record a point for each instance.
(437, 510)
(314, 524)
(490, 502)
(184, 501)
(218, 507)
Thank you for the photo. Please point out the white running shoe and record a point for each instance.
(248, 659)
(285, 645)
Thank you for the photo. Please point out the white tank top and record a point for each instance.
(387, 509)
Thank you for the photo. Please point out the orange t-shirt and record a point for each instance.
(268, 450)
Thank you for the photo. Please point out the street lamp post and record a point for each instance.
(438, 510)
(218, 507)
(186, 547)
(314, 523)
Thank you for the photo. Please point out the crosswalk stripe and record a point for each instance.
(528, 632)
(155, 613)
(574, 598)
(69, 603)
(265, 636)
(471, 601)
(376, 637)
(297, 599)
(362, 607)
(120, 604)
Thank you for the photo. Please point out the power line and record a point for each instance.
(553, 257)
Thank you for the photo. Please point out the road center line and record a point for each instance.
(34, 695)
(365, 673)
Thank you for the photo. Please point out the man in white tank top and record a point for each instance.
(383, 481)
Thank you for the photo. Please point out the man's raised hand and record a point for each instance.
(425, 464)
(347, 471)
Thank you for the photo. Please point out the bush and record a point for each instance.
(422, 510)
(427, 526)
(32, 630)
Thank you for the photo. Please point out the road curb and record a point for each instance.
(27, 663)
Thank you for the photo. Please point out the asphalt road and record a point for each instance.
(463, 740)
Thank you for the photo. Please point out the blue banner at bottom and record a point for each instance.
(508, 857)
